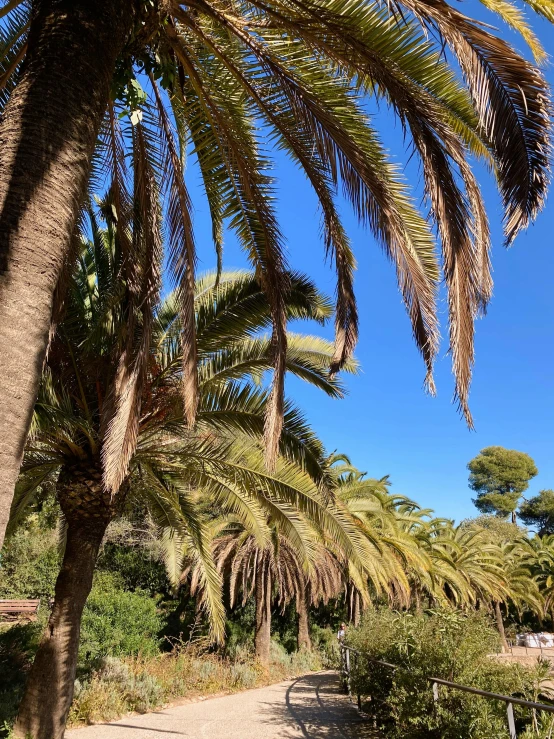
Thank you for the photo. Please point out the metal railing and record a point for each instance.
(350, 656)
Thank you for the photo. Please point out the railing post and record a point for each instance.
(358, 695)
(348, 683)
(343, 663)
(511, 721)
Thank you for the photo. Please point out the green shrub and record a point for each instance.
(18, 644)
(136, 568)
(29, 564)
(118, 623)
(243, 676)
(239, 629)
(449, 645)
(325, 641)
(141, 690)
(305, 661)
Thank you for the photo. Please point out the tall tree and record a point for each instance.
(231, 74)
(538, 512)
(500, 476)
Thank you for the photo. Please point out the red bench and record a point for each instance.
(19, 610)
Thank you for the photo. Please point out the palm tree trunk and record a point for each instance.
(49, 690)
(47, 136)
(262, 638)
(302, 607)
(500, 625)
(88, 508)
(354, 606)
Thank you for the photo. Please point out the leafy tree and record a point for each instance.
(538, 512)
(499, 476)
(493, 528)
(226, 77)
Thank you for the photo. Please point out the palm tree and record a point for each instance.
(226, 75)
(307, 568)
(171, 466)
(464, 566)
(509, 578)
(256, 568)
(376, 513)
(323, 551)
(542, 567)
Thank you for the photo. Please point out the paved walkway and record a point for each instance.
(311, 707)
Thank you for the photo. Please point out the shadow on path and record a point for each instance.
(320, 709)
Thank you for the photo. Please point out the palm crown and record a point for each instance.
(179, 473)
(228, 76)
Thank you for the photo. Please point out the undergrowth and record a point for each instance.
(128, 684)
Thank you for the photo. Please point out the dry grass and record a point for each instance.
(137, 684)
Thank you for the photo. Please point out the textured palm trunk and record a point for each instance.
(47, 136)
(49, 689)
(354, 606)
(500, 625)
(262, 638)
(302, 608)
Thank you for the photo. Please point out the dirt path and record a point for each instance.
(311, 707)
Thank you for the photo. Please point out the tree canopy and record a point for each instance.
(499, 476)
(538, 512)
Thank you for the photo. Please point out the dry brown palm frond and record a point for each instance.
(122, 408)
(181, 260)
(113, 165)
(265, 243)
(511, 98)
(326, 578)
(241, 559)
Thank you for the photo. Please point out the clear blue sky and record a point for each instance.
(387, 424)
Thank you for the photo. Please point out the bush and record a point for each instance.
(449, 645)
(240, 628)
(118, 623)
(29, 564)
(243, 676)
(18, 645)
(135, 567)
(326, 642)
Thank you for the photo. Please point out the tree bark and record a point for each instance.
(262, 638)
(354, 605)
(88, 508)
(47, 136)
(500, 625)
(49, 690)
(302, 608)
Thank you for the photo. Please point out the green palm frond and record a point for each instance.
(233, 84)
(13, 46)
